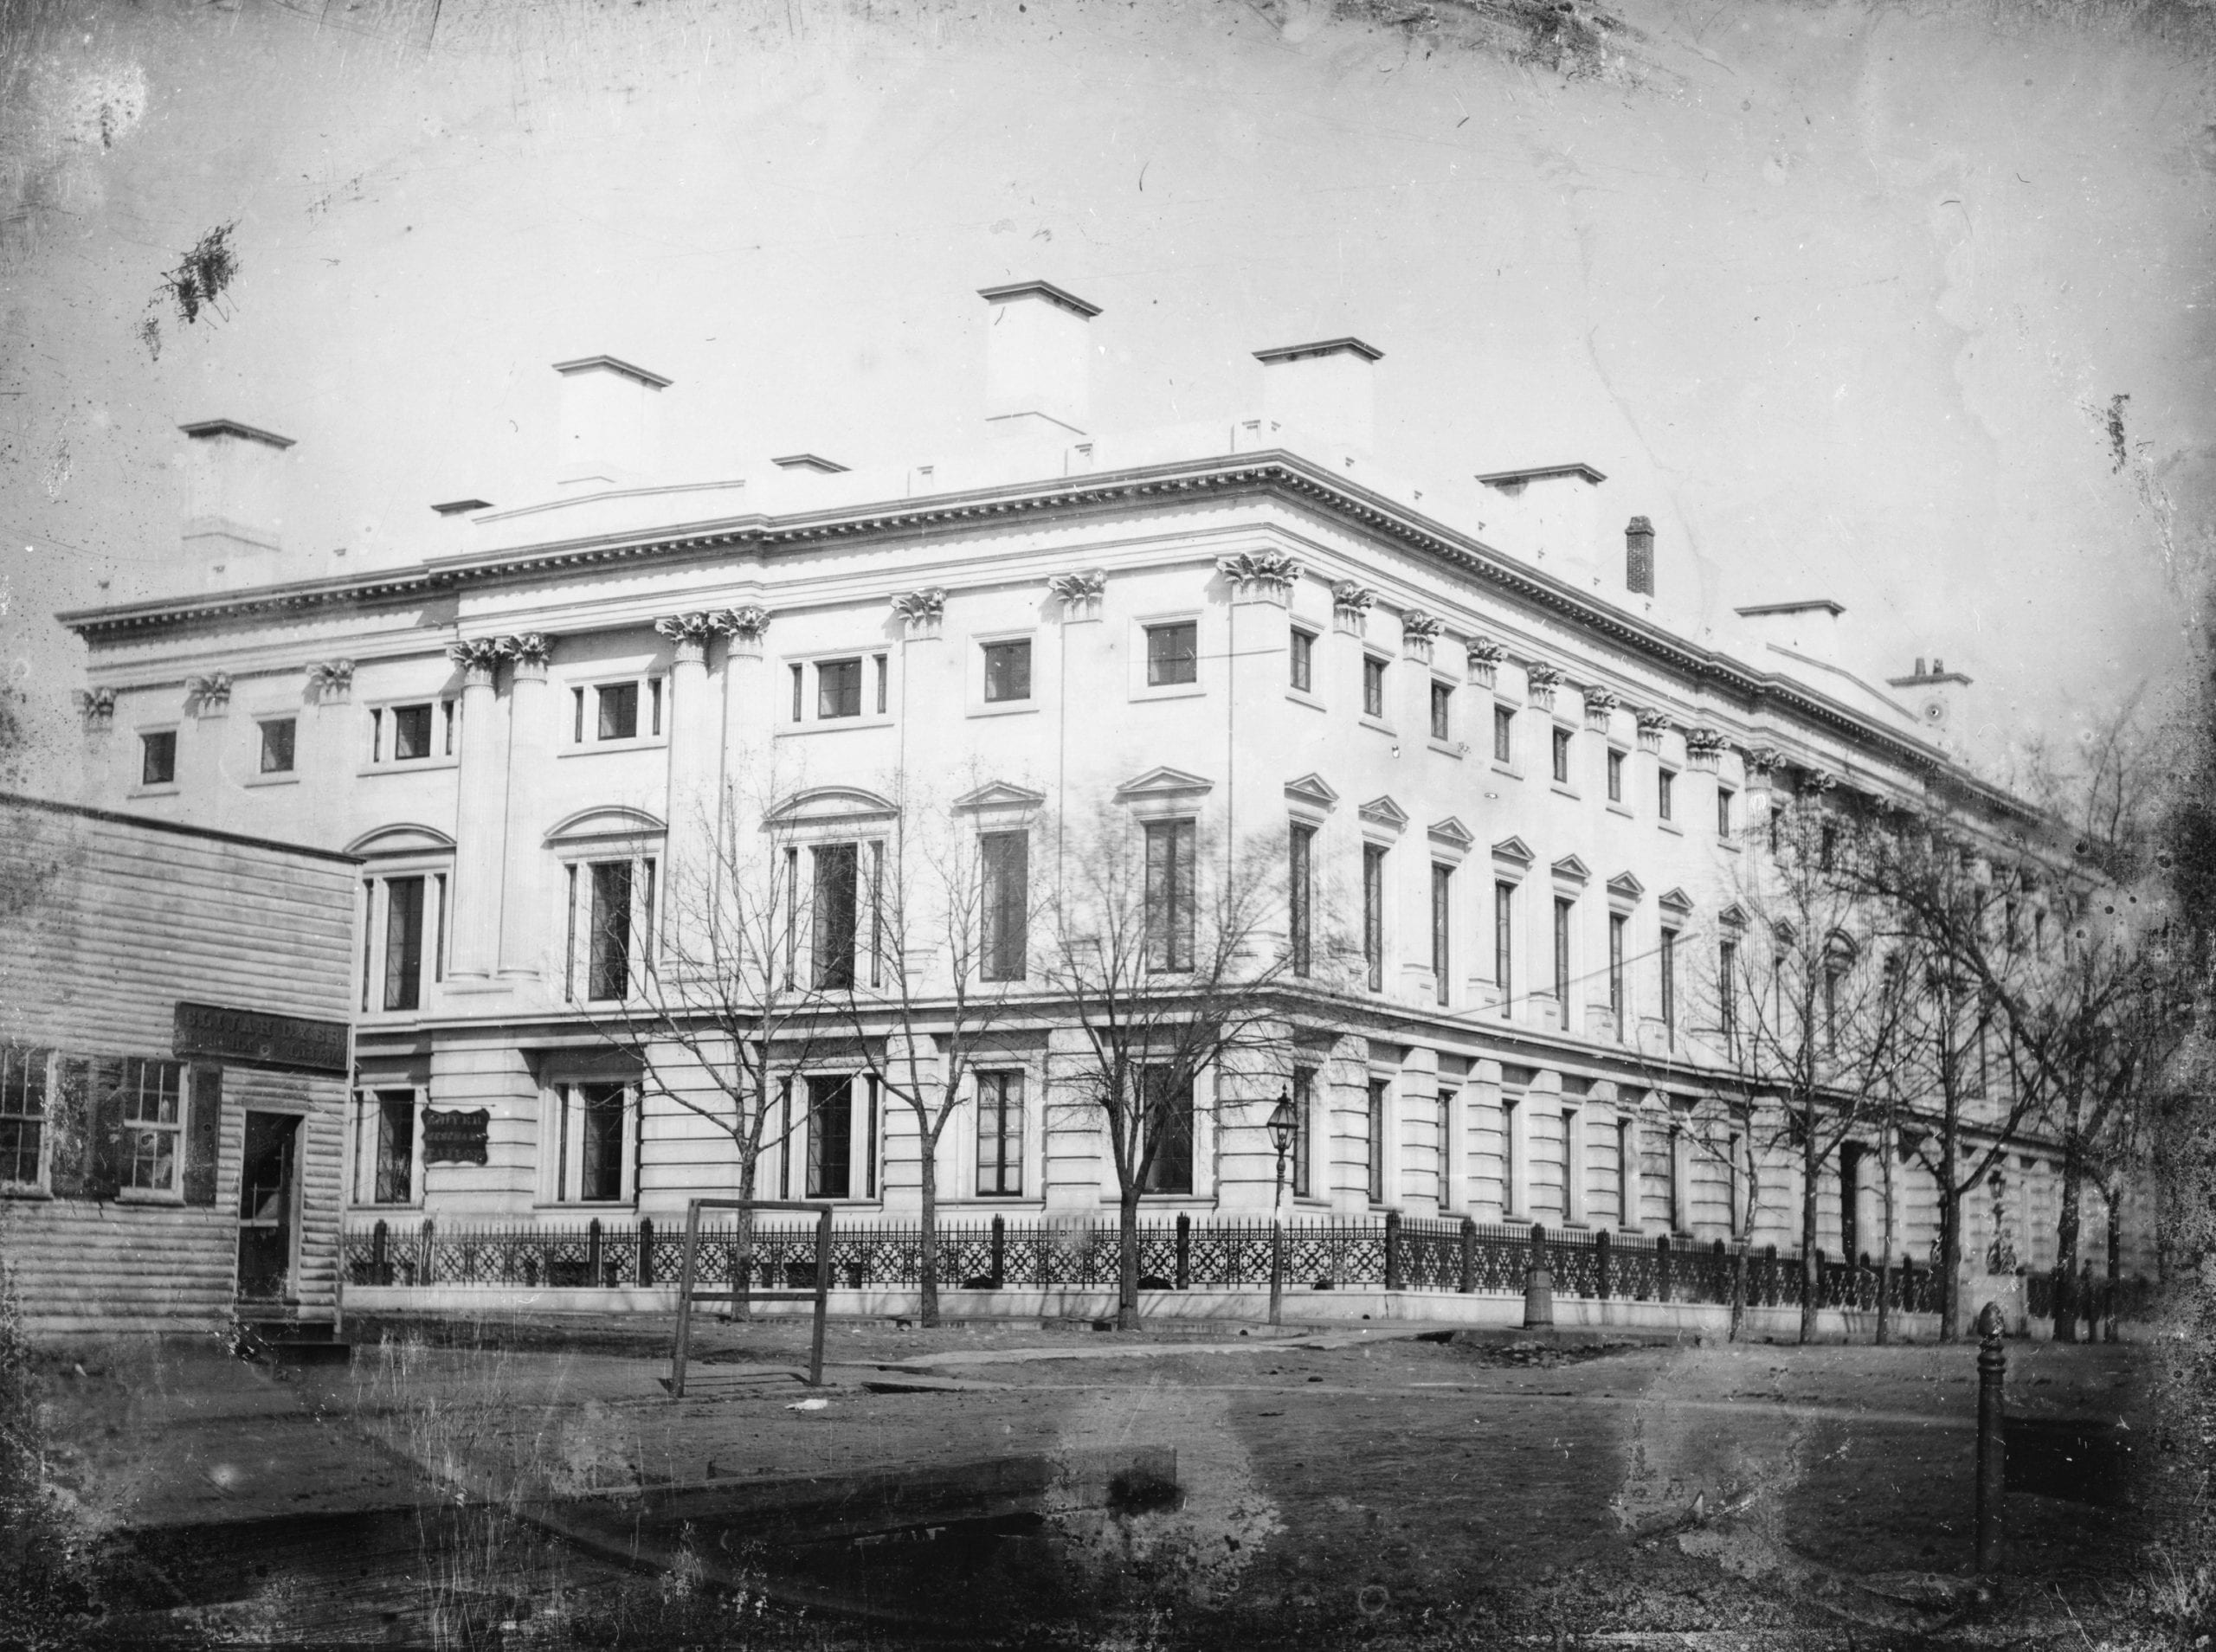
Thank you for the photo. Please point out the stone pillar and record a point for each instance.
(480, 814)
(1414, 1119)
(750, 711)
(1261, 584)
(695, 763)
(529, 930)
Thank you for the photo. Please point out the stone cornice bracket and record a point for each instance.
(1259, 575)
(1079, 594)
(530, 650)
(1703, 748)
(479, 657)
(1540, 682)
(1418, 633)
(209, 696)
(1652, 725)
(924, 611)
(1484, 657)
(1600, 705)
(331, 681)
(97, 707)
(690, 632)
(1351, 605)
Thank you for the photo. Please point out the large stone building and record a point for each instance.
(1484, 710)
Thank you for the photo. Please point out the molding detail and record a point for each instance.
(330, 681)
(1600, 705)
(529, 652)
(744, 627)
(1259, 575)
(1703, 748)
(1079, 594)
(690, 632)
(1351, 605)
(1312, 794)
(1385, 814)
(97, 707)
(478, 658)
(1483, 659)
(1418, 633)
(1761, 762)
(924, 612)
(1652, 725)
(1540, 682)
(209, 696)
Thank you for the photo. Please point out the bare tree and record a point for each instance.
(1159, 944)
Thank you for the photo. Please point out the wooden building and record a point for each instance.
(173, 1057)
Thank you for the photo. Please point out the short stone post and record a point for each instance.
(425, 1273)
(1662, 1268)
(646, 1251)
(999, 1252)
(593, 1273)
(1720, 1277)
(1184, 1251)
(1538, 1284)
(380, 1269)
(1469, 1256)
(1991, 1438)
(1392, 1249)
(1603, 1258)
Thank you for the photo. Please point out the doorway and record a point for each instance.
(269, 1174)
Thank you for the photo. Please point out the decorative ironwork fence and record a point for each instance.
(1331, 1254)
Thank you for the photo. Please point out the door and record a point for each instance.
(269, 1175)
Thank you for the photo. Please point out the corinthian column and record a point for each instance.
(695, 730)
(480, 812)
(527, 938)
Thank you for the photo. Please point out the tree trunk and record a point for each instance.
(2065, 1239)
(1127, 1260)
(2109, 1332)
(1950, 1235)
(927, 1250)
(743, 1261)
(1738, 1332)
(1811, 1190)
(1885, 1163)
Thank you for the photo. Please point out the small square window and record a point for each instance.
(1615, 776)
(277, 745)
(1172, 654)
(1562, 756)
(411, 732)
(158, 758)
(1665, 784)
(1504, 735)
(619, 711)
(1303, 660)
(1442, 712)
(1373, 686)
(1008, 671)
(839, 689)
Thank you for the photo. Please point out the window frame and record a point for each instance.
(1300, 1170)
(1442, 931)
(1561, 766)
(1374, 899)
(563, 1123)
(444, 741)
(147, 735)
(1153, 660)
(1666, 787)
(799, 705)
(644, 918)
(1011, 1145)
(1380, 1117)
(1188, 1110)
(1442, 712)
(994, 926)
(263, 723)
(1300, 897)
(27, 1060)
(987, 646)
(171, 1130)
(1724, 795)
(1503, 943)
(1300, 667)
(365, 1182)
(1615, 773)
(1503, 737)
(1171, 930)
(1375, 700)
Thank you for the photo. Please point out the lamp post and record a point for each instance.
(1282, 1126)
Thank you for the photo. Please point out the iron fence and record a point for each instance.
(1336, 1253)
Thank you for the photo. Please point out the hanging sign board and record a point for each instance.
(453, 1137)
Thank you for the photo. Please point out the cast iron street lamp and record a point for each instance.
(1281, 1127)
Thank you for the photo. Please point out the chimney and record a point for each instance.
(610, 424)
(1037, 361)
(1808, 628)
(1639, 556)
(1321, 390)
(1935, 698)
(235, 509)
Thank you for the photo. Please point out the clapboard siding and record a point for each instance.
(111, 923)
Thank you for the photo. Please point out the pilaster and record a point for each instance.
(480, 814)
(524, 918)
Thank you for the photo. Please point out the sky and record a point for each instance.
(1843, 296)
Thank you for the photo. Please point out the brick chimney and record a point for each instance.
(1321, 390)
(610, 424)
(1038, 360)
(235, 513)
(1639, 556)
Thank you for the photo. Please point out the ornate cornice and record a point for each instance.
(924, 611)
(1259, 575)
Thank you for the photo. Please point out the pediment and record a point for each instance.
(1313, 790)
(402, 838)
(1734, 915)
(1514, 849)
(1001, 795)
(1162, 782)
(1384, 812)
(1450, 831)
(1570, 869)
(1674, 900)
(606, 820)
(830, 803)
(1626, 886)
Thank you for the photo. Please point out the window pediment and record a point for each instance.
(1163, 783)
(1675, 900)
(1513, 850)
(1626, 887)
(1570, 870)
(1312, 792)
(829, 805)
(402, 838)
(604, 823)
(1385, 814)
(1451, 834)
(1001, 795)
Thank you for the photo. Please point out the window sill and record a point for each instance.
(26, 1191)
(1004, 709)
(1671, 828)
(1563, 790)
(384, 1210)
(1379, 725)
(597, 748)
(1506, 771)
(148, 1196)
(1449, 749)
(1169, 691)
(1309, 700)
(408, 766)
(1621, 809)
(832, 725)
(586, 1205)
(1730, 845)
(167, 788)
(288, 778)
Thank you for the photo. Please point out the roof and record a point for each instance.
(233, 427)
(1047, 290)
(1540, 472)
(1320, 347)
(610, 364)
(1809, 604)
(16, 799)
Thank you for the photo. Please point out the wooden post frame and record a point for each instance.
(688, 1272)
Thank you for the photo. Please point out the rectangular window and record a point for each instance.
(376, 733)
(1008, 671)
(1564, 909)
(277, 745)
(1722, 811)
(1373, 686)
(22, 1115)
(1504, 939)
(1627, 1211)
(1006, 902)
(1665, 784)
(411, 732)
(600, 1144)
(1300, 882)
(830, 1137)
(839, 689)
(884, 680)
(1727, 988)
(1617, 924)
(1377, 1088)
(1615, 776)
(618, 711)
(1670, 983)
(1572, 1201)
(1172, 654)
(1511, 1160)
(153, 1122)
(393, 1162)
(157, 758)
(836, 868)
(1169, 896)
(403, 942)
(1373, 914)
(1442, 912)
(1442, 712)
(1446, 1178)
(1562, 756)
(1304, 1104)
(654, 695)
(608, 969)
(450, 714)
(1166, 1129)
(1303, 660)
(1000, 1135)
(797, 675)
(1504, 735)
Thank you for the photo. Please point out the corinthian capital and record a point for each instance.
(478, 657)
(922, 610)
(1259, 575)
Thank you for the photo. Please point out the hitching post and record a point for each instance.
(1538, 1284)
(823, 1294)
(1991, 1439)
